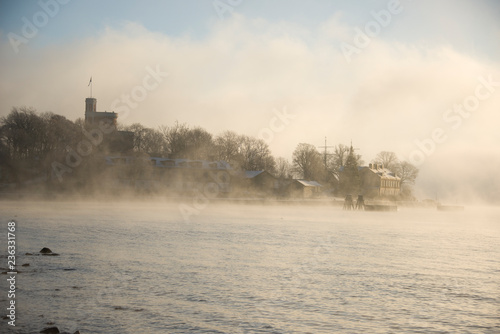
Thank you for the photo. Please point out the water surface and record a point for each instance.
(142, 268)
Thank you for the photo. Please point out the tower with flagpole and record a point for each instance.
(92, 116)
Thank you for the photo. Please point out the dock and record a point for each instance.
(380, 207)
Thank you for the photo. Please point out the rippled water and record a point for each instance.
(142, 268)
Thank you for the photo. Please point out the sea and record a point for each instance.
(156, 266)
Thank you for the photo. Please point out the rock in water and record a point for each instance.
(50, 330)
(46, 250)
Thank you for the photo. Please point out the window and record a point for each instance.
(168, 163)
(195, 164)
(182, 164)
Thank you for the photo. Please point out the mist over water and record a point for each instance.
(188, 162)
(141, 268)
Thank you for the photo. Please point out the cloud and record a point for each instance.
(389, 95)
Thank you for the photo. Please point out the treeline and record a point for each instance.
(181, 141)
(31, 142)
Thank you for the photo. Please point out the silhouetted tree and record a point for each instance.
(176, 139)
(338, 159)
(349, 177)
(227, 147)
(199, 144)
(407, 172)
(185, 143)
(244, 152)
(388, 159)
(21, 129)
(31, 142)
(59, 133)
(283, 168)
(8, 170)
(307, 162)
(256, 155)
(403, 169)
(140, 142)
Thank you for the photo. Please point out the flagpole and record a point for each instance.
(90, 84)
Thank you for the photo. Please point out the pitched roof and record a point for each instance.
(309, 183)
(249, 174)
(382, 172)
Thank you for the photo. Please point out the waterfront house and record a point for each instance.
(378, 181)
(256, 182)
(304, 189)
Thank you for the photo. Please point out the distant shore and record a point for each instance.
(320, 201)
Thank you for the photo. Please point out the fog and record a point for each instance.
(106, 231)
(244, 69)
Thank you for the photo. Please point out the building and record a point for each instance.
(378, 181)
(118, 141)
(93, 117)
(170, 175)
(258, 182)
(304, 189)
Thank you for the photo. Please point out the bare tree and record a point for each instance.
(338, 159)
(407, 172)
(388, 159)
(153, 142)
(176, 139)
(256, 155)
(199, 144)
(147, 140)
(283, 168)
(307, 162)
(403, 169)
(187, 143)
(30, 142)
(139, 132)
(22, 129)
(227, 147)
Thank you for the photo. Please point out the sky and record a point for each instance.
(419, 78)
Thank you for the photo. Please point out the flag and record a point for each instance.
(90, 81)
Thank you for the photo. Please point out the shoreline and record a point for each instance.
(150, 198)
